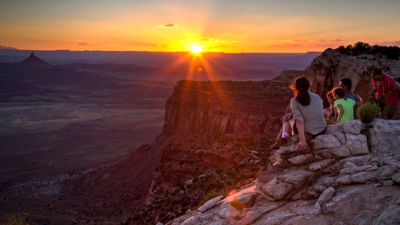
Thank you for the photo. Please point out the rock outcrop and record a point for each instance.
(331, 66)
(350, 177)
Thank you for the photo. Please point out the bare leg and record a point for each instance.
(287, 127)
(283, 136)
(291, 122)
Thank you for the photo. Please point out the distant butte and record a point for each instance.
(33, 60)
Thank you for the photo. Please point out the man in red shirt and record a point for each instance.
(389, 89)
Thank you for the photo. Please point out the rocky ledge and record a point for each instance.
(351, 176)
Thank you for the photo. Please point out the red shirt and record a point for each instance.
(386, 88)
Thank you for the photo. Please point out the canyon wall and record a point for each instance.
(226, 107)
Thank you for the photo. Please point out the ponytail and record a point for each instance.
(303, 97)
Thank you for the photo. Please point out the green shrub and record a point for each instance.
(367, 112)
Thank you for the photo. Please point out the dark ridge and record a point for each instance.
(361, 48)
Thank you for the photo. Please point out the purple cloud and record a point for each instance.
(389, 43)
(83, 43)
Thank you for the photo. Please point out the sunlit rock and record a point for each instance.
(209, 204)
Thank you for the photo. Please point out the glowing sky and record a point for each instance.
(223, 25)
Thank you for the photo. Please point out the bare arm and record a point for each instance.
(358, 103)
(300, 129)
(331, 105)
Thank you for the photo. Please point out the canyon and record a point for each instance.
(211, 164)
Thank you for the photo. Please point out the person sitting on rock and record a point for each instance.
(307, 114)
(344, 106)
(389, 89)
(346, 85)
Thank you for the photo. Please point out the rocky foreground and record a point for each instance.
(352, 176)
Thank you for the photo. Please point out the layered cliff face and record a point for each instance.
(352, 176)
(226, 107)
(331, 66)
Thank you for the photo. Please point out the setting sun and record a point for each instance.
(196, 49)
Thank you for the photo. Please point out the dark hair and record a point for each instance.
(339, 92)
(377, 72)
(300, 87)
(347, 82)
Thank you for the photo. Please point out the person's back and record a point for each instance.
(308, 112)
(348, 106)
(312, 114)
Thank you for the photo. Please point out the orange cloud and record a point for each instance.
(169, 25)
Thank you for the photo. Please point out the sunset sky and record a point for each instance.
(223, 25)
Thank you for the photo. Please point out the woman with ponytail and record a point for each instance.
(308, 111)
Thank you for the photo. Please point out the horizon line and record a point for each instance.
(144, 51)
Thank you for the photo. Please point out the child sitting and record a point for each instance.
(344, 106)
